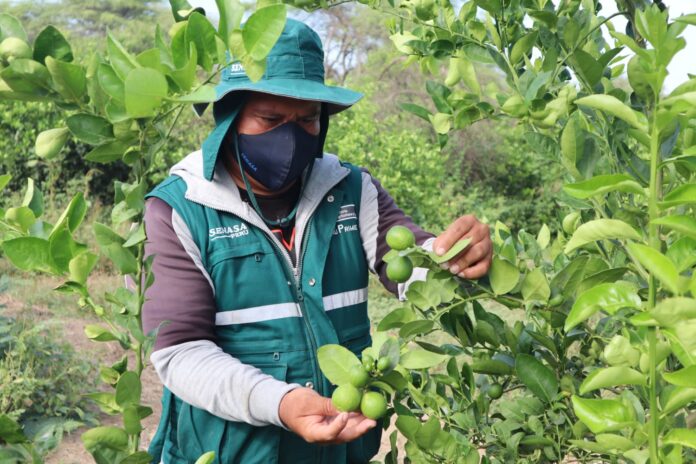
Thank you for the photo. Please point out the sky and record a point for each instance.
(683, 63)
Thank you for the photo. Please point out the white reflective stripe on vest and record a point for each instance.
(258, 314)
(341, 300)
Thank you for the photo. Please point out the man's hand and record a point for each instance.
(315, 419)
(475, 260)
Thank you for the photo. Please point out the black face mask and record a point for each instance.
(278, 157)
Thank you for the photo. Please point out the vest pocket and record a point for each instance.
(199, 431)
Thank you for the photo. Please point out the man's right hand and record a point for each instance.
(316, 420)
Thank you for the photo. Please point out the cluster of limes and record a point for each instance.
(354, 396)
(400, 268)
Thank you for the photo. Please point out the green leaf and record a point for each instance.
(535, 287)
(50, 42)
(11, 27)
(231, 13)
(207, 458)
(185, 76)
(600, 229)
(108, 152)
(4, 180)
(688, 19)
(396, 319)
(28, 77)
(657, 264)
(589, 68)
(109, 437)
(121, 61)
(335, 362)
(573, 143)
(599, 185)
(682, 195)
(203, 94)
(491, 367)
(685, 225)
(73, 215)
(614, 107)
(50, 142)
(683, 253)
(111, 245)
(611, 377)
(451, 253)
(99, 334)
(145, 89)
(110, 82)
(202, 34)
(503, 276)
(28, 253)
(81, 266)
(22, 217)
(685, 377)
(128, 389)
(417, 110)
(10, 431)
(33, 198)
(523, 46)
(421, 359)
(423, 295)
(681, 437)
(537, 377)
(678, 398)
(609, 297)
(90, 129)
(602, 415)
(671, 312)
(139, 457)
(418, 327)
(63, 248)
(544, 237)
(69, 79)
(262, 30)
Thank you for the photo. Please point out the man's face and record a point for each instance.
(263, 112)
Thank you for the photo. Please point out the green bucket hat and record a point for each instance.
(294, 68)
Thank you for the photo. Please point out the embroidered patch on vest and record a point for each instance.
(235, 231)
(346, 212)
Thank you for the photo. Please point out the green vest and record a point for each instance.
(269, 314)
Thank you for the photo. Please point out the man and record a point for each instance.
(263, 245)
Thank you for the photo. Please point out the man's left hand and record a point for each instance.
(475, 261)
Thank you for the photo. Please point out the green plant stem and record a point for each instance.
(654, 240)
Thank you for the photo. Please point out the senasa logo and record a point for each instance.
(237, 68)
(235, 231)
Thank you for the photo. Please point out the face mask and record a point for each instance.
(278, 157)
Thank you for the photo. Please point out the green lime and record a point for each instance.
(12, 47)
(346, 398)
(495, 391)
(358, 376)
(571, 222)
(368, 362)
(373, 405)
(400, 237)
(383, 364)
(399, 269)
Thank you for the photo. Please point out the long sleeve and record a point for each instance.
(181, 303)
(378, 214)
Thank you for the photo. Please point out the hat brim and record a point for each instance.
(337, 98)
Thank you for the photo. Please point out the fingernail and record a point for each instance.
(444, 266)
(440, 251)
(454, 269)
